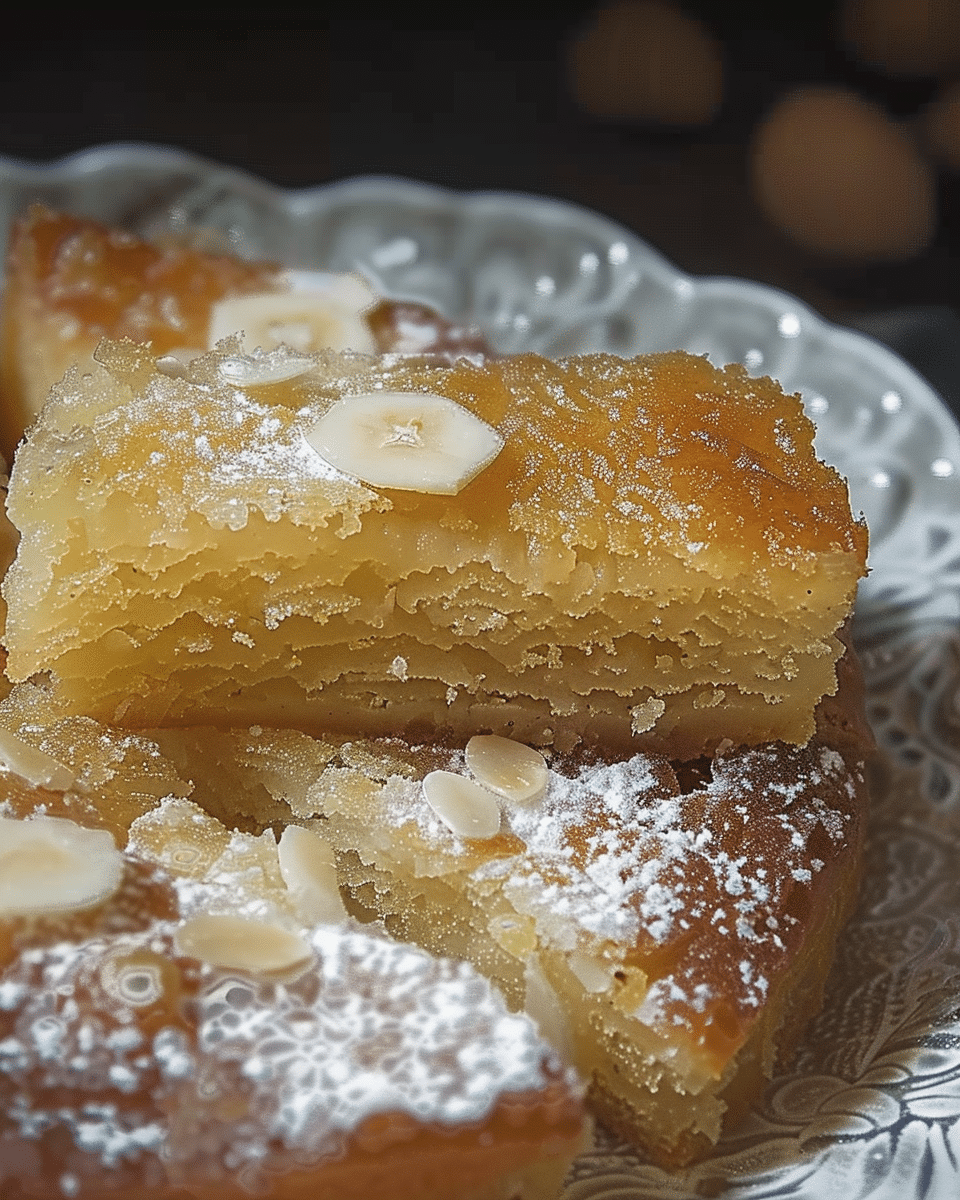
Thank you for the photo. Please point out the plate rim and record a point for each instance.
(155, 158)
(98, 158)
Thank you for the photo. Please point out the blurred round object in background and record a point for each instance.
(837, 175)
(903, 37)
(647, 61)
(940, 126)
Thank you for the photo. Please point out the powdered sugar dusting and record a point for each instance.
(121, 1059)
(388, 1029)
(711, 879)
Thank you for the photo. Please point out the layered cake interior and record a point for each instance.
(668, 930)
(540, 666)
(195, 1015)
(618, 570)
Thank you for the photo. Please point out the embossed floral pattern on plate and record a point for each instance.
(872, 1107)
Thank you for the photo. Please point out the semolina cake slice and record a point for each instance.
(632, 554)
(187, 1009)
(71, 281)
(670, 926)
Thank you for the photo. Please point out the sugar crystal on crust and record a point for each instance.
(644, 565)
(123, 1057)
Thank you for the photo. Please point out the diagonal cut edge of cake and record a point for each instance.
(188, 1011)
(638, 566)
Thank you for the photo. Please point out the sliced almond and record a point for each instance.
(309, 318)
(51, 864)
(35, 766)
(241, 943)
(347, 288)
(415, 441)
(466, 808)
(261, 367)
(176, 362)
(511, 769)
(309, 870)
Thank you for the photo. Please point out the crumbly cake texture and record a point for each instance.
(71, 281)
(653, 567)
(671, 931)
(131, 1066)
(655, 559)
(668, 926)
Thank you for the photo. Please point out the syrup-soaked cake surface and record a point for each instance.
(193, 1033)
(668, 929)
(71, 281)
(632, 564)
(654, 559)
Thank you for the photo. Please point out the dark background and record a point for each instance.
(479, 100)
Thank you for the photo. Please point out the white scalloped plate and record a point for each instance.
(872, 1108)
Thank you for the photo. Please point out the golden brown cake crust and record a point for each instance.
(71, 281)
(682, 916)
(810, 919)
(581, 587)
(137, 1064)
(655, 567)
